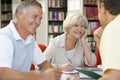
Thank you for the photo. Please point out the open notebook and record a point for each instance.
(89, 73)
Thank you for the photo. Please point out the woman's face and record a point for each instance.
(76, 30)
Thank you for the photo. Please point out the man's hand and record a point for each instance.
(73, 78)
(52, 74)
(67, 67)
(97, 35)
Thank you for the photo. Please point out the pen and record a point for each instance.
(69, 60)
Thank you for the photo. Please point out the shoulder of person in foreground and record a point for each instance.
(111, 74)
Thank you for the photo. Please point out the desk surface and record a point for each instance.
(86, 79)
(83, 76)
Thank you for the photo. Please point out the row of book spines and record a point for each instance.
(91, 43)
(55, 15)
(90, 2)
(57, 3)
(90, 39)
(92, 46)
(92, 26)
(6, 16)
(6, 7)
(91, 13)
(55, 28)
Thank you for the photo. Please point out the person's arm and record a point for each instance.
(46, 66)
(90, 57)
(111, 74)
(48, 72)
(9, 74)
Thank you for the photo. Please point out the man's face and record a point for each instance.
(101, 14)
(31, 18)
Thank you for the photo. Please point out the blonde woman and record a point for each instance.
(71, 49)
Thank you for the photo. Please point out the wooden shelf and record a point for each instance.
(6, 12)
(90, 5)
(57, 10)
(55, 33)
(91, 12)
(5, 21)
(60, 21)
(96, 20)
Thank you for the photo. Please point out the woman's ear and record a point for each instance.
(67, 29)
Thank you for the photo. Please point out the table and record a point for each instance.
(83, 76)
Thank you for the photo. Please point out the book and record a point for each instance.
(89, 73)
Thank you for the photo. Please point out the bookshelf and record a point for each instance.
(57, 10)
(6, 12)
(91, 12)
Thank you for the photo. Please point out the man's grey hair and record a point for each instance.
(26, 3)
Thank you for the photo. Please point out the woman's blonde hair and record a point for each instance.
(74, 18)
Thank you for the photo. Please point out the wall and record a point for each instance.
(0, 14)
(41, 34)
(75, 5)
(14, 6)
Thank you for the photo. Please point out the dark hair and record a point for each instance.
(113, 6)
(27, 3)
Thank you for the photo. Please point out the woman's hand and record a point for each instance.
(67, 67)
(84, 35)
